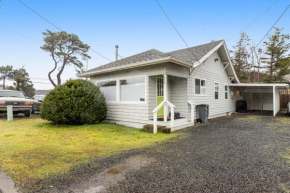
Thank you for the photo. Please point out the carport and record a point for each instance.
(259, 96)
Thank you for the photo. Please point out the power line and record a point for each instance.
(273, 25)
(173, 25)
(55, 25)
(254, 20)
(20, 34)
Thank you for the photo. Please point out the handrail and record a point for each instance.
(162, 104)
(192, 105)
(165, 102)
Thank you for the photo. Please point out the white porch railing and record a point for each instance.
(164, 103)
(192, 105)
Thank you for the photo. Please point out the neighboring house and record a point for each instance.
(42, 92)
(152, 84)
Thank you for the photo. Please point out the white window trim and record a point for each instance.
(118, 89)
(194, 94)
(217, 90)
(98, 82)
(228, 91)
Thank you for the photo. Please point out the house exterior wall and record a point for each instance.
(177, 94)
(212, 72)
(141, 112)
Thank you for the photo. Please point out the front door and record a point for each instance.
(160, 93)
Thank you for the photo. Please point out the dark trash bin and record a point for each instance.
(241, 106)
(203, 111)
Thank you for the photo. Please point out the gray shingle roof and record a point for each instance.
(189, 55)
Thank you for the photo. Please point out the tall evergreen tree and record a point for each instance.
(240, 58)
(276, 48)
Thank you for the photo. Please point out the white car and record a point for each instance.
(18, 101)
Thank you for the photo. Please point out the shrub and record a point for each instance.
(76, 102)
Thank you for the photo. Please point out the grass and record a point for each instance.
(33, 149)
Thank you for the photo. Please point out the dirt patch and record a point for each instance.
(101, 181)
(117, 170)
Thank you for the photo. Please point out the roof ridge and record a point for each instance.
(195, 46)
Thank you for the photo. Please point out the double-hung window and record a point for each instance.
(108, 88)
(216, 90)
(199, 86)
(226, 91)
(132, 89)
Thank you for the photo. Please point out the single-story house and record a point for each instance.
(145, 88)
(42, 92)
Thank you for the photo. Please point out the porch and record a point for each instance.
(167, 98)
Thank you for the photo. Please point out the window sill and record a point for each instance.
(129, 103)
(199, 95)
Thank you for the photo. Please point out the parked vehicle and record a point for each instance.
(18, 101)
(37, 100)
(288, 107)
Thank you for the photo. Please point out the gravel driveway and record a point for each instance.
(241, 153)
(230, 154)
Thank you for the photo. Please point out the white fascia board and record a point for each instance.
(138, 64)
(260, 84)
(231, 64)
(198, 62)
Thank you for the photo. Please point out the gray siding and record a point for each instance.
(177, 94)
(212, 72)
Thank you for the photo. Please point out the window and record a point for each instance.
(160, 91)
(133, 89)
(226, 91)
(199, 86)
(216, 90)
(109, 90)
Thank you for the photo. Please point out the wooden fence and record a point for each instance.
(284, 98)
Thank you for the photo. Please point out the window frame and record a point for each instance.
(109, 80)
(200, 86)
(227, 91)
(216, 90)
(118, 89)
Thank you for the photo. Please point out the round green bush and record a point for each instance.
(76, 102)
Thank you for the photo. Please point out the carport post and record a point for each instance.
(274, 101)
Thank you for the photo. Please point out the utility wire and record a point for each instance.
(273, 25)
(20, 34)
(173, 26)
(56, 26)
(253, 20)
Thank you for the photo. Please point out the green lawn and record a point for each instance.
(34, 149)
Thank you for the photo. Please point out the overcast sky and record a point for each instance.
(136, 26)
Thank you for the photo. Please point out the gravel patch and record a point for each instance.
(229, 154)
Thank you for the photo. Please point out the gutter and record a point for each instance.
(138, 64)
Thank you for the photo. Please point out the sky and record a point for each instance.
(134, 25)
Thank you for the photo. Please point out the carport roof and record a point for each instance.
(281, 85)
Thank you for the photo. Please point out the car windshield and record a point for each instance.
(11, 94)
(39, 98)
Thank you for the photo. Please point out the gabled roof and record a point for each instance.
(187, 56)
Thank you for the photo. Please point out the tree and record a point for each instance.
(22, 82)
(276, 48)
(6, 72)
(65, 49)
(241, 57)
